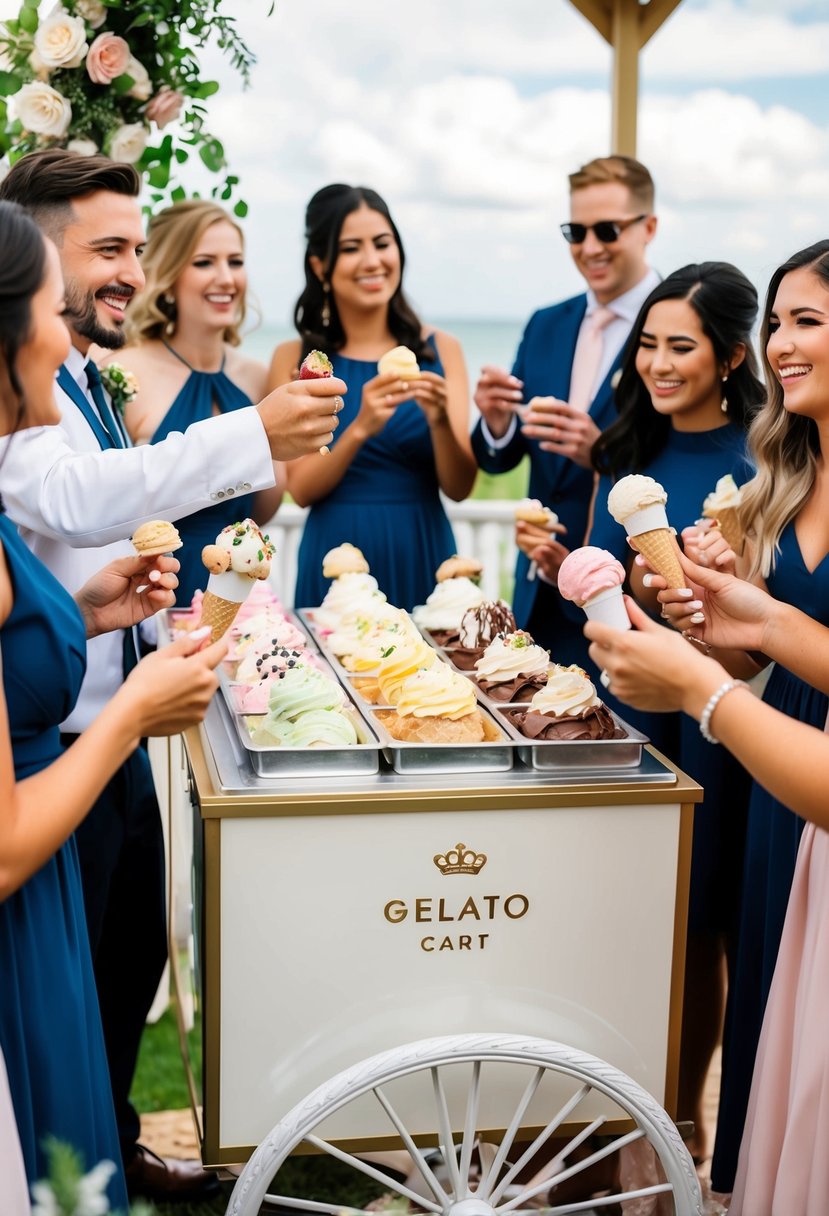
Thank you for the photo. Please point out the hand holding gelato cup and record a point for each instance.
(592, 578)
(399, 361)
(638, 503)
(723, 507)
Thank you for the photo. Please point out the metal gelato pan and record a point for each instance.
(494, 755)
(323, 761)
(601, 756)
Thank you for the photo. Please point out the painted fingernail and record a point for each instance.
(685, 593)
(700, 523)
(198, 634)
(697, 618)
(647, 580)
(154, 576)
(696, 605)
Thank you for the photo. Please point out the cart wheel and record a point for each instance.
(482, 1179)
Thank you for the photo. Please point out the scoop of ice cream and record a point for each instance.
(595, 723)
(436, 692)
(726, 495)
(156, 537)
(344, 559)
(402, 659)
(344, 595)
(381, 635)
(250, 551)
(299, 689)
(316, 728)
(399, 361)
(257, 632)
(567, 694)
(459, 567)
(262, 599)
(445, 607)
(510, 656)
(533, 511)
(587, 571)
(372, 616)
(481, 624)
(268, 656)
(634, 493)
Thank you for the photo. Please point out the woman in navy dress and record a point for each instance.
(688, 389)
(183, 333)
(50, 1028)
(398, 443)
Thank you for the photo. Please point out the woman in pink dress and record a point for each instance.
(783, 1166)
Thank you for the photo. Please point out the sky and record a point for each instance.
(467, 116)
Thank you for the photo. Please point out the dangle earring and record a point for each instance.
(170, 327)
(724, 402)
(325, 315)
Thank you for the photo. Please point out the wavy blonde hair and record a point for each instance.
(172, 237)
(785, 446)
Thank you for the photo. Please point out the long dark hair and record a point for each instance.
(726, 304)
(324, 218)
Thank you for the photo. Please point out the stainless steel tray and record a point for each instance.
(601, 756)
(291, 762)
(493, 756)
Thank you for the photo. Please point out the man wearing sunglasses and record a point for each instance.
(560, 393)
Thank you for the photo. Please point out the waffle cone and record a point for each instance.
(407, 728)
(219, 614)
(728, 522)
(660, 549)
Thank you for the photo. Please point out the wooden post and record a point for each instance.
(627, 25)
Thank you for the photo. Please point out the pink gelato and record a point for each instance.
(587, 572)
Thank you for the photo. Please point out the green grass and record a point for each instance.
(510, 485)
(160, 1082)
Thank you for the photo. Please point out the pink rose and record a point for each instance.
(165, 106)
(108, 58)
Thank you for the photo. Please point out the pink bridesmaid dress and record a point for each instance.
(784, 1163)
(14, 1190)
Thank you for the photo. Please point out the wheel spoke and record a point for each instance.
(470, 1125)
(589, 1205)
(447, 1143)
(572, 1170)
(504, 1147)
(426, 1171)
(557, 1163)
(313, 1205)
(364, 1168)
(540, 1139)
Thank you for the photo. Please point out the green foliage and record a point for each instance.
(60, 104)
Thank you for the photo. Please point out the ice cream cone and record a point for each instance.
(219, 614)
(609, 608)
(661, 551)
(728, 522)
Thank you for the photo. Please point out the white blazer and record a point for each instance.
(76, 506)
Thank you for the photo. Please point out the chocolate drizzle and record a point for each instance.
(595, 723)
(479, 625)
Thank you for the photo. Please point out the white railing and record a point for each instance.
(483, 529)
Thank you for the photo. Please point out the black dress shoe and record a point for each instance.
(152, 1177)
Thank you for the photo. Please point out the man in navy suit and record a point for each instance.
(531, 410)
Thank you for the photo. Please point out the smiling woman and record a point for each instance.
(183, 332)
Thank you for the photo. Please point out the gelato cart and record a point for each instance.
(471, 962)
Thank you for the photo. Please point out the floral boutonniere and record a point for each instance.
(120, 384)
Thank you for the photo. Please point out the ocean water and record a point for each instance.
(482, 341)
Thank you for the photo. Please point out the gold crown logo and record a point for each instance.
(460, 860)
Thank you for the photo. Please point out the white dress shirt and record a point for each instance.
(614, 335)
(76, 506)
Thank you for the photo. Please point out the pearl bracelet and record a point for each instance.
(711, 705)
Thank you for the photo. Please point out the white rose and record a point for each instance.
(92, 11)
(38, 66)
(142, 89)
(128, 142)
(43, 110)
(61, 41)
(86, 147)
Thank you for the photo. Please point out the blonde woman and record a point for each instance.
(785, 514)
(183, 335)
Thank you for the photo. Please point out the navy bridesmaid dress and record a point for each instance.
(50, 1025)
(388, 502)
(201, 393)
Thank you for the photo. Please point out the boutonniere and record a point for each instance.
(120, 384)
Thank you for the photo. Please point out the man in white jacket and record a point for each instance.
(77, 492)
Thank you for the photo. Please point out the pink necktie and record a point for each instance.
(587, 357)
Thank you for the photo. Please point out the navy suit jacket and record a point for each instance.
(544, 363)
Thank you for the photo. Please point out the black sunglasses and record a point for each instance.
(607, 231)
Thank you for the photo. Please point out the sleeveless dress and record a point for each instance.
(772, 842)
(199, 394)
(784, 1166)
(689, 467)
(50, 1025)
(387, 503)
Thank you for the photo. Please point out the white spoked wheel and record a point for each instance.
(470, 1175)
